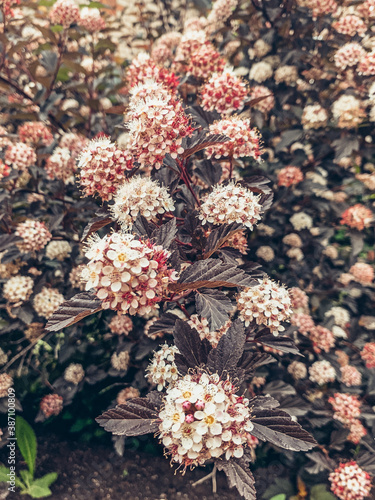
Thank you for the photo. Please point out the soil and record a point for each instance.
(93, 472)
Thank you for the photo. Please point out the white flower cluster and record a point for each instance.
(162, 370)
(47, 301)
(6, 382)
(58, 249)
(18, 288)
(202, 327)
(297, 369)
(140, 195)
(260, 72)
(286, 74)
(314, 116)
(221, 11)
(267, 304)
(231, 203)
(340, 315)
(74, 373)
(301, 220)
(203, 418)
(129, 275)
(322, 372)
(120, 360)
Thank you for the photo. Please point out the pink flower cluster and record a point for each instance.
(224, 93)
(244, 140)
(289, 176)
(64, 12)
(121, 324)
(143, 69)
(102, 165)
(350, 25)
(4, 170)
(300, 299)
(128, 275)
(368, 354)
(91, 20)
(51, 404)
(357, 216)
(157, 125)
(35, 133)
(350, 482)
(266, 98)
(349, 55)
(34, 234)
(362, 272)
(367, 65)
(322, 339)
(205, 61)
(346, 407)
(20, 156)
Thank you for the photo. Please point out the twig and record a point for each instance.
(25, 350)
(211, 475)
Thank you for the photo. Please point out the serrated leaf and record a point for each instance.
(239, 476)
(47, 479)
(165, 234)
(165, 324)
(322, 461)
(136, 417)
(211, 273)
(73, 310)
(257, 183)
(224, 359)
(142, 227)
(96, 224)
(193, 350)
(287, 138)
(284, 344)
(219, 236)
(8, 240)
(213, 305)
(203, 140)
(209, 172)
(277, 427)
(202, 117)
(26, 441)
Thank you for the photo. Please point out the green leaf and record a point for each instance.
(97, 5)
(279, 486)
(46, 480)
(26, 441)
(319, 492)
(26, 477)
(57, 28)
(282, 496)
(4, 471)
(36, 491)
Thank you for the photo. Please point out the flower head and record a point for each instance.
(231, 203)
(20, 156)
(266, 304)
(140, 195)
(350, 482)
(47, 301)
(34, 234)
(51, 404)
(203, 418)
(18, 288)
(357, 216)
(102, 167)
(64, 12)
(35, 133)
(162, 369)
(224, 93)
(128, 275)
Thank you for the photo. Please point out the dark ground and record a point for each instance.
(94, 472)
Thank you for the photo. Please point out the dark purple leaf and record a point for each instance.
(165, 234)
(345, 146)
(164, 324)
(357, 242)
(263, 403)
(73, 310)
(257, 183)
(201, 141)
(209, 172)
(213, 305)
(8, 240)
(136, 417)
(96, 224)
(366, 460)
(284, 344)
(192, 348)
(321, 462)
(287, 138)
(211, 273)
(225, 357)
(277, 427)
(219, 236)
(250, 361)
(239, 476)
(142, 227)
(202, 117)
